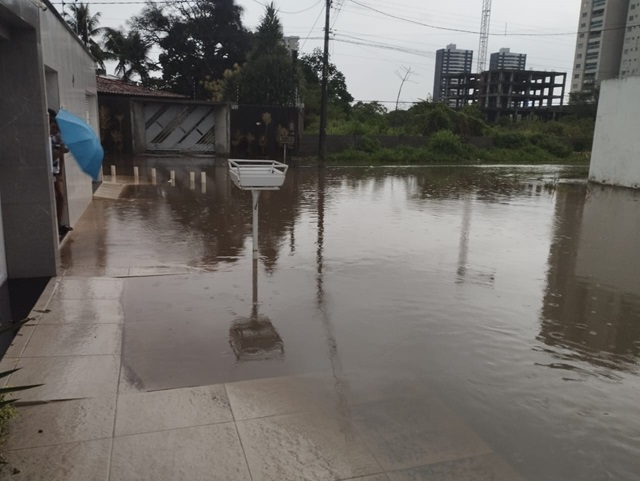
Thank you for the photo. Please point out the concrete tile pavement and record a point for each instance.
(88, 423)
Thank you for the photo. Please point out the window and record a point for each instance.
(597, 23)
(582, 35)
(593, 45)
(592, 55)
(576, 76)
(583, 25)
(584, 14)
(591, 66)
(598, 13)
(578, 65)
(579, 55)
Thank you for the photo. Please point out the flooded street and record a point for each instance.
(509, 295)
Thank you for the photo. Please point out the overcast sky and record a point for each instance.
(371, 71)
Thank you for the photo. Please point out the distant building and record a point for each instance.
(507, 60)
(292, 43)
(605, 29)
(630, 59)
(450, 60)
(513, 93)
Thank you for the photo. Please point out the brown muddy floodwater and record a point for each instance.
(512, 295)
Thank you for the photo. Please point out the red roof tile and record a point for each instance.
(119, 87)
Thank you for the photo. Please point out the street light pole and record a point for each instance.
(325, 87)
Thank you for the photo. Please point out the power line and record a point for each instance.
(460, 30)
(385, 46)
(341, 4)
(314, 26)
(390, 101)
(290, 13)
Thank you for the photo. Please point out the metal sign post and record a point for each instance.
(255, 196)
(255, 338)
(256, 176)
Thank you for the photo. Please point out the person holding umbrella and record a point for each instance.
(70, 133)
(58, 149)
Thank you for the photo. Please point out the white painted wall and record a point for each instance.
(615, 157)
(63, 54)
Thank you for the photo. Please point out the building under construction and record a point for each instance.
(513, 93)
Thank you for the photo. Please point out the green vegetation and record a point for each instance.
(7, 411)
(452, 137)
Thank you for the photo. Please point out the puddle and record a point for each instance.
(518, 304)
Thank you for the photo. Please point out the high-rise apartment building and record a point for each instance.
(630, 59)
(450, 60)
(601, 35)
(505, 59)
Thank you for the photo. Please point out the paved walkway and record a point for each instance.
(89, 422)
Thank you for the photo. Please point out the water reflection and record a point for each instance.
(254, 338)
(207, 227)
(341, 385)
(591, 309)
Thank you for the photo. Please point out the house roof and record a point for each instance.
(119, 87)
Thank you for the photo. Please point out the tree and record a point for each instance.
(199, 39)
(585, 103)
(130, 51)
(311, 67)
(267, 78)
(339, 97)
(87, 27)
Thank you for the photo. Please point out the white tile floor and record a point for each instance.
(88, 422)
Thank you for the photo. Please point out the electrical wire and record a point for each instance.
(341, 4)
(314, 26)
(474, 32)
(291, 13)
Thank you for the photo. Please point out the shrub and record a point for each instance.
(369, 144)
(555, 146)
(437, 119)
(446, 142)
(510, 140)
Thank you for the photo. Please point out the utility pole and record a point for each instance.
(325, 87)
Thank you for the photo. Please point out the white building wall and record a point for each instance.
(615, 157)
(68, 64)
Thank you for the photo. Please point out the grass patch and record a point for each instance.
(445, 148)
(7, 412)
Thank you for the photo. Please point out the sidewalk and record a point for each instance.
(90, 420)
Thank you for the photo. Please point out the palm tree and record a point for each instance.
(130, 51)
(87, 27)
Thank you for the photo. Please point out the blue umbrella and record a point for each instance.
(82, 141)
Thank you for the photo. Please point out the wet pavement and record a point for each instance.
(413, 324)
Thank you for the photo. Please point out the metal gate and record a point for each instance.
(180, 127)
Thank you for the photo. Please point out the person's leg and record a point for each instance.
(59, 191)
